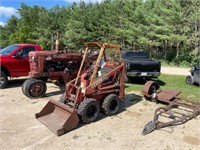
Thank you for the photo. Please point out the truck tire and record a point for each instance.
(111, 104)
(88, 110)
(35, 88)
(3, 80)
(189, 80)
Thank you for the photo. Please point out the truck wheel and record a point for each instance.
(35, 88)
(189, 80)
(111, 104)
(3, 80)
(88, 110)
(24, 86)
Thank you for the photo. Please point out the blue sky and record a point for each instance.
(9, 7)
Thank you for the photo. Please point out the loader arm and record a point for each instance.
(97, 66)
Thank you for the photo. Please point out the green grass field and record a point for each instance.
(171, 82)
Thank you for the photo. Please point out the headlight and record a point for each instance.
(32, 58)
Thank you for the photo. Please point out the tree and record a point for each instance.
(8, 30)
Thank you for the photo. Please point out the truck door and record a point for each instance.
(21, 59)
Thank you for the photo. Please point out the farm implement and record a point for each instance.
(178, 110)
(53, 66)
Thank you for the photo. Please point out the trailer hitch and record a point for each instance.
(149, 127)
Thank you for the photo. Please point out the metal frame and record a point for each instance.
(191, 108)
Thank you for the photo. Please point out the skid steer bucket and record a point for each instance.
(58, 117)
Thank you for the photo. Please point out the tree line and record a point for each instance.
(168, 30)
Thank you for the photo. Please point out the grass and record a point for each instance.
(172, 64)
(171, 82)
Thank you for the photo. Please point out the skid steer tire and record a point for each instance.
(35, 88)
(3, 80)
(89, 110)
(111, 104)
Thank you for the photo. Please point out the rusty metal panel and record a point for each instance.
(167, 95)
(58, 117)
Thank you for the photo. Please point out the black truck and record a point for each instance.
(138, 65)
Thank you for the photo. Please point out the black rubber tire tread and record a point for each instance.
(131, 79)
(5, 79)
(153, 88)
(24, 86)
(83, 110)
(189, 80)
(107, 107)
(30, 84)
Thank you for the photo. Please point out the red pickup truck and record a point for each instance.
(14, 61)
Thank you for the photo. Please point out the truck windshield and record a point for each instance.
(8, 50)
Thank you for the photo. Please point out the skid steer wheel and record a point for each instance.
(88, 110)
(189, 80)
(3, 80)
(111, 104)
(35, 88)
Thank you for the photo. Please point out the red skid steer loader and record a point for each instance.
(100, 88)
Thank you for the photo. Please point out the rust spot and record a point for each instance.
(191, 140)
(132, 113)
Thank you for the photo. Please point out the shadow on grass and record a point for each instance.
(196, 84)
(161, 83)
(141, 81)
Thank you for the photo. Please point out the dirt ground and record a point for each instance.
(20, 130)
